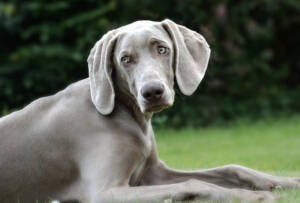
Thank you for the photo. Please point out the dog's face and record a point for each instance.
(143, 63)
(144, 57)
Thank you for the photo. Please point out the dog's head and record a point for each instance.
(144, 56)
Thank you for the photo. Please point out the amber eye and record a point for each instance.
(125, 59)
(162, 50)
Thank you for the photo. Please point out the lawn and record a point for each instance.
(271, 146)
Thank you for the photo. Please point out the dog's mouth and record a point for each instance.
(155, 104)
(155, 108)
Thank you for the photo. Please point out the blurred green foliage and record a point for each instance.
(254, 70)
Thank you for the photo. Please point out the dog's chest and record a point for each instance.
(132, 133)
(140, 165)
(139, 146)
(130, 146)
(138, 140)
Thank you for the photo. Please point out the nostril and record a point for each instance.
(147, 95)
(158, 92)
(152, 91)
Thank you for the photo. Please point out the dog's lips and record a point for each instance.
(154, 108)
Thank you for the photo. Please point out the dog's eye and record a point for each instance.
(125, 59)
(162, 50)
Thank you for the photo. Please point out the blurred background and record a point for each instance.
(254, 70)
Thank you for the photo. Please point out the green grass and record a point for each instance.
(271, 146)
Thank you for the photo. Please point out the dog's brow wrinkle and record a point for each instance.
(156, 40)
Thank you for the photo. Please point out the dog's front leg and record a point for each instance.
(230, 176)
(188, 190)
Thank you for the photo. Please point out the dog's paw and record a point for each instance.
(286, 183)
(254, 196)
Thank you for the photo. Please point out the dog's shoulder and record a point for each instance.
(75, 93)
(75, 89)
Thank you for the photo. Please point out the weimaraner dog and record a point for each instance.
(93, 141)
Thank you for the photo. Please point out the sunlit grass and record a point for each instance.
(269, 146)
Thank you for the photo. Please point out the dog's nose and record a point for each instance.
(152, 91)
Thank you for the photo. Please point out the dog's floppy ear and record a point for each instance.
(190, 58)
(100, 70)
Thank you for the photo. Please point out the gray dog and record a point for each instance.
(93, 141)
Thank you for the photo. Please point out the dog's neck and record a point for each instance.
(129, 102)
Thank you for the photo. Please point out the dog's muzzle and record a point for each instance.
(154, 97)
(153, 91)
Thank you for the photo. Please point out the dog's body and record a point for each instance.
(58, 158)
(94, 141)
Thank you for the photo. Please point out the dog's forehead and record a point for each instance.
(140, 31)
